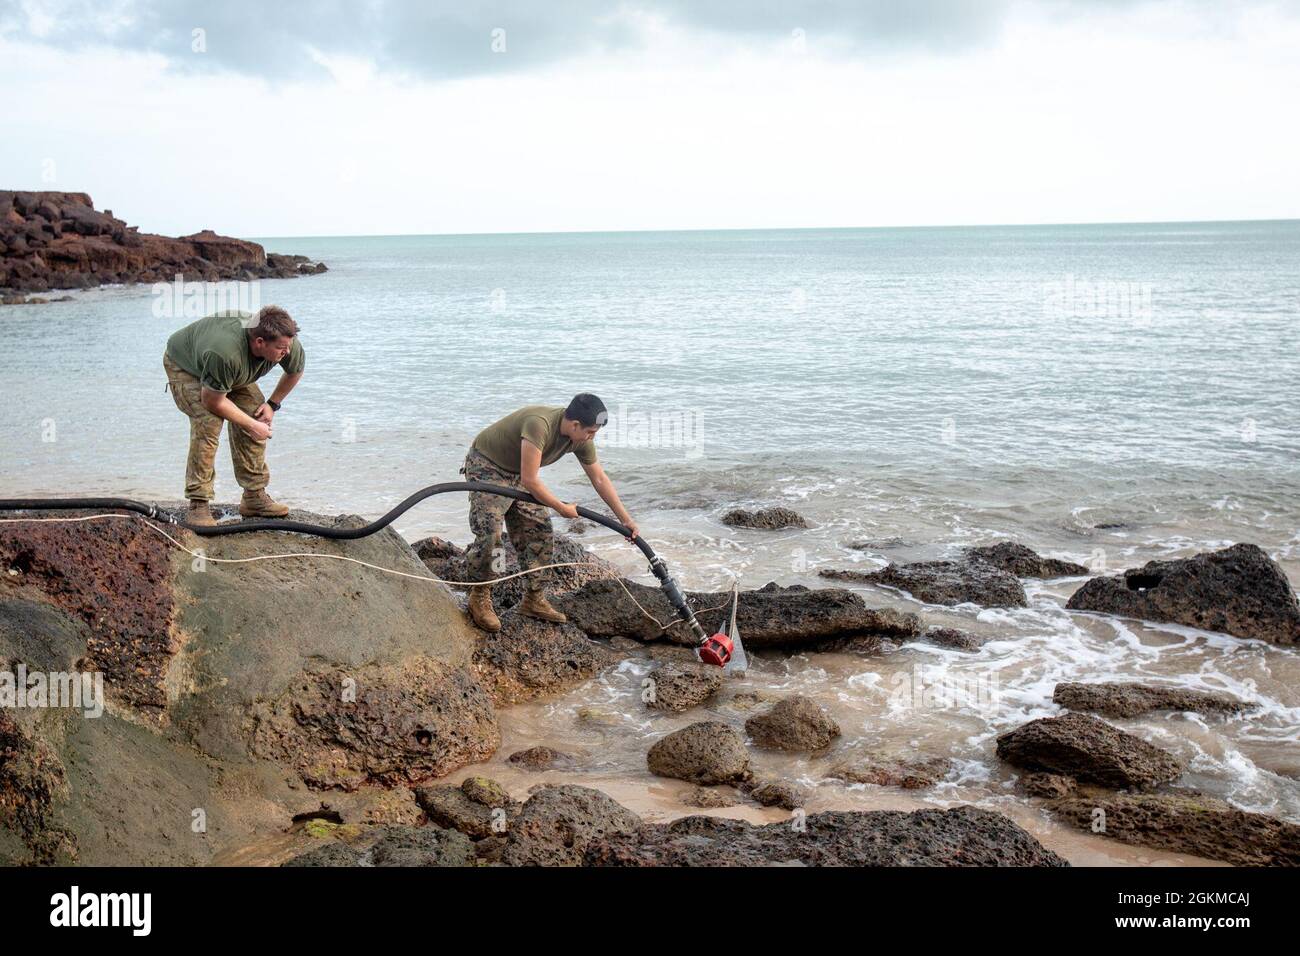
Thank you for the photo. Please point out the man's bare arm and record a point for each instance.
(221, 406)
(530, 463)
(605, 488)
(264, 412)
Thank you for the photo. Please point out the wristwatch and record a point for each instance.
(275, 406)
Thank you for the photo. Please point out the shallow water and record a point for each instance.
(922, 389)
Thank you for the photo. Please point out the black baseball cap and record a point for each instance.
(587, 410)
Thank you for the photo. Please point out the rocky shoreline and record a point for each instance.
(58, 240)
(328, 700)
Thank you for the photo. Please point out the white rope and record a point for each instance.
(364, 564)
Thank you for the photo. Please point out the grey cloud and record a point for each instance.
(441, 40)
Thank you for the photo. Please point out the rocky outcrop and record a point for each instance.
(1023, 562)
(541, 758)
(1090, 750)
(772, 616)
(679, 687)
(57, 240)
(944, 582)
(909, 771)
(1048, 785)
(1238, 591)
(557, 824)
(572, 826)
(707, 753)
(529, 658)
(479, 808)
(1185, 823)
(249, 692)
(779, 793)
(796, 724)
(447, 562)
(1133, 700)
(963, 836)
(953, 638)
(394, 846)
(767, 519)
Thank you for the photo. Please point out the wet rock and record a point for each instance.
(240, 691)
(408, 723)
(528, 658)
(394, 846)
(767, 519)
(1023, 562)
(795, 724)
(557, 824)
(769, 617)
(478, 808)
(1132, 700)
(677, 687)
(1048, 785)
(954, 638)
(963, 836)
(710, 798)
(709, 752)
(944, 582)
(421, 846)
(447, 561)
(1186, 823)
(909, 771)
(780, 793)
(1090, 750)
(540, 758)
(1238, 591)
(328, 854)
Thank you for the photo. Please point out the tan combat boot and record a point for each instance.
(200, 514)
(535, 605)
(480, 608)
(258, 504)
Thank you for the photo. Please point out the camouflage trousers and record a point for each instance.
(247, 455)
(529, 526)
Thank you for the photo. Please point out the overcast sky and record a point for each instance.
(383, 117)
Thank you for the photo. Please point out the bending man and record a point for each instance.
(212, 369)
(510, 452)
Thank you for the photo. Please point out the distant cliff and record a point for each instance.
(55, 240)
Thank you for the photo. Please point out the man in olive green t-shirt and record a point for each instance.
(212, 370)
(510, 452)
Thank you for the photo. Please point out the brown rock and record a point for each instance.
(1238, 591)
(1186, 823)
(909, 771)
(679, 687)
(768, 519)
(1133, 700)
(944, 582)
(529, 658)
(557, 824)
(706, 753)
(769, 617)
(795, 724)
(1090, 750)
(1023, 562)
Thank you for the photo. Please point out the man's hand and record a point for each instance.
(568, 510)
(264, 413)
(631, 526)
(257, 430)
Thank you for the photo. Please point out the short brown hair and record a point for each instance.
(273, 323)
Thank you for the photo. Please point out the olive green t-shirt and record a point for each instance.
(538, 425)
(215, 351)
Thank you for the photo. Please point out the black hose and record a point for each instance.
(657, 566)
